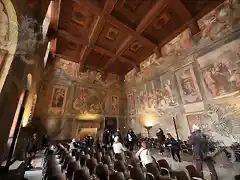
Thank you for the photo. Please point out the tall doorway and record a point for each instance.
(111, 123)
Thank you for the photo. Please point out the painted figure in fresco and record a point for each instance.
(114, 104)
(3, 24)
(58, 98)
(210, 81)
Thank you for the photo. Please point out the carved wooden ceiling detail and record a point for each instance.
(116, 35)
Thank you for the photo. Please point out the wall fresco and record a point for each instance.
(221, 69)
(205, 71)
(115, 105)
(87, 100)
(188, 86)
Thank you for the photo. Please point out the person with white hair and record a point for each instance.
(118, 148)
(201, 151)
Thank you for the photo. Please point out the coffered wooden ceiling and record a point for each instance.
(116, 35)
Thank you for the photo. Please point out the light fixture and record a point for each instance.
(148, 127)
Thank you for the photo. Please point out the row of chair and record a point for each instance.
(79, 164)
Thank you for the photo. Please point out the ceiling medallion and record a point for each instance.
(112, 34)
(80, 18)
(135, 47)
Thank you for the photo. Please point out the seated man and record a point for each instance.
(118, 149)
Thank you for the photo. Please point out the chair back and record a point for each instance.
(117, 176)
(136, 173)
(102, 171)
(237, 177)
(91, 164)
(120, 166)
(163, 163)
(82, 174)
(192, 171)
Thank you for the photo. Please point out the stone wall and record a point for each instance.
(72, 99)
(196, 81)
(20, 30)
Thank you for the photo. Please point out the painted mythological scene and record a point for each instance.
(88, 100)
(115, 105)
(58, 98)
(221, 69)
(157, 96)
(188, 86)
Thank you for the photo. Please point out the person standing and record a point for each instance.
(174, 147)
(161, 139)
(119, 134)
(118, 149)
(130, 139)
(200, 153)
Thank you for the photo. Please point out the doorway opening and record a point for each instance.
(111, 123)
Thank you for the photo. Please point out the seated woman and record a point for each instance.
(118, 149)
(174, 146)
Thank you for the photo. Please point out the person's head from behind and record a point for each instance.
(144, 145)
(116, 139)
(196, 130)
(160, 130)
(169, 135)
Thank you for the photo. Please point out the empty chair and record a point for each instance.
(181, 175)
(237, 177)
(72, 167)
(82, 174)
(106, 160)
(152, 168)
(120, 166)
(98, 156)
(149, 176)
(91, 164)
(164, 167)
(136, 173)
(102, 171)
(117, 176)
(193, 173)
(57, 177)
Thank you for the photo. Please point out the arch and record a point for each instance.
(12, 39)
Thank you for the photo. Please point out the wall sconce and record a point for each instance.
(148, 127)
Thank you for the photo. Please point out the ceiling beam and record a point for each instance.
(127, 60)
(129, 31)
(83, 58)
(68, 36)
(103, 50)
(125, 44)
(108, 7)
(151, 15)
(185, 16)
(56, 6)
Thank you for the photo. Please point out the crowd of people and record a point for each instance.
(120, 144)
